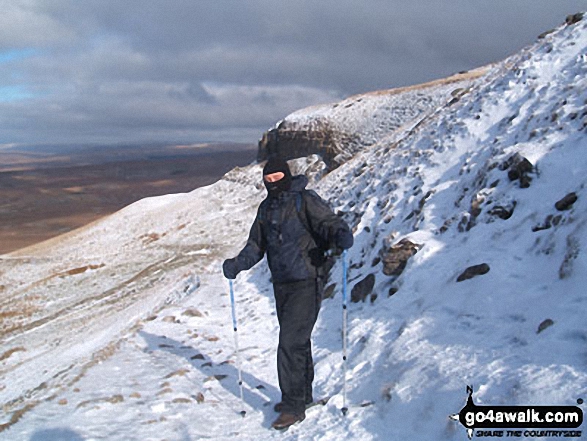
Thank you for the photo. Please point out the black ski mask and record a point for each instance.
(276, 165)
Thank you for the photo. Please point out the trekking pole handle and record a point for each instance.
(230, 283)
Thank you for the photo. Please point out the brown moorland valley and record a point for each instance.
(46, 191)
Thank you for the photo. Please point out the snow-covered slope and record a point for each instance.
(146, 285)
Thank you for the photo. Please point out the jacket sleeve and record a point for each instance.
(255, 247)
(323, 221)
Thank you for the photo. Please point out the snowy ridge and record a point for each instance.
(363, 120)
(516, 331)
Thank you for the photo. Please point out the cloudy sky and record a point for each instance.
(136, 71)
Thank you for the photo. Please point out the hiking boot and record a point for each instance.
(279, 406)
(285, 420)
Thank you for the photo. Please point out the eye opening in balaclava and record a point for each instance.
(277, 165)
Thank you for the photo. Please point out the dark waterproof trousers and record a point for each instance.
(297, 304)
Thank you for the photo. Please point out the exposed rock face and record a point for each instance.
(395, 258)
(290, 142)
(574, 18)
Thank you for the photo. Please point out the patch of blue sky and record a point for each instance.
(14, 93)
(16, 54)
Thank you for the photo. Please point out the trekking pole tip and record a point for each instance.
(345, 410)
(243, 413)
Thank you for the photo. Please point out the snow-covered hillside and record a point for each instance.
(122, 330)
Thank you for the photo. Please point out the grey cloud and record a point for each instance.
(196, 70)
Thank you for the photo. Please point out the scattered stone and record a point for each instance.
(544, 325)
(329, 292)
(192, 313)
(367, 403)
(362, 289)
(181, 401)
(62, 402)
(503, 212)
(395, 258)
(197, 357)
(473, 271)
(169, 319)
(518, 169)
(112, 400)
(165, 391)
(115, 399)
(178, 373)
(135, 395)
(199, 397)
(567, 202)
(549, 222)
(392, 291)
(8, 353)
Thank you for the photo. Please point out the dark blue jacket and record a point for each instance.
(279, 231)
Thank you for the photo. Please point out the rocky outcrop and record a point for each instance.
(339, 130)
(395, 257)
(290, 141)
(519, 169)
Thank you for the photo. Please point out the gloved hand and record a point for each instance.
(230, 269)
(343, 238)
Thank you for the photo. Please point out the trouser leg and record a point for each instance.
(297, 310)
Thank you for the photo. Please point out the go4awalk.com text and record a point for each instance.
(520, 421)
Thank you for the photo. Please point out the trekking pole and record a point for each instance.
(344, 409)
(238, 364)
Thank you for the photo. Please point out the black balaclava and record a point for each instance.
(275, 165)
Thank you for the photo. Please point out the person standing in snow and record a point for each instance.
(293, 226)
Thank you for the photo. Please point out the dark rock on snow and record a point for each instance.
(395, 258)
(545, 324)
(362, 289)
(567, 202)
(474, 271)
(518, 169)
(549, 222)
(329, 291)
